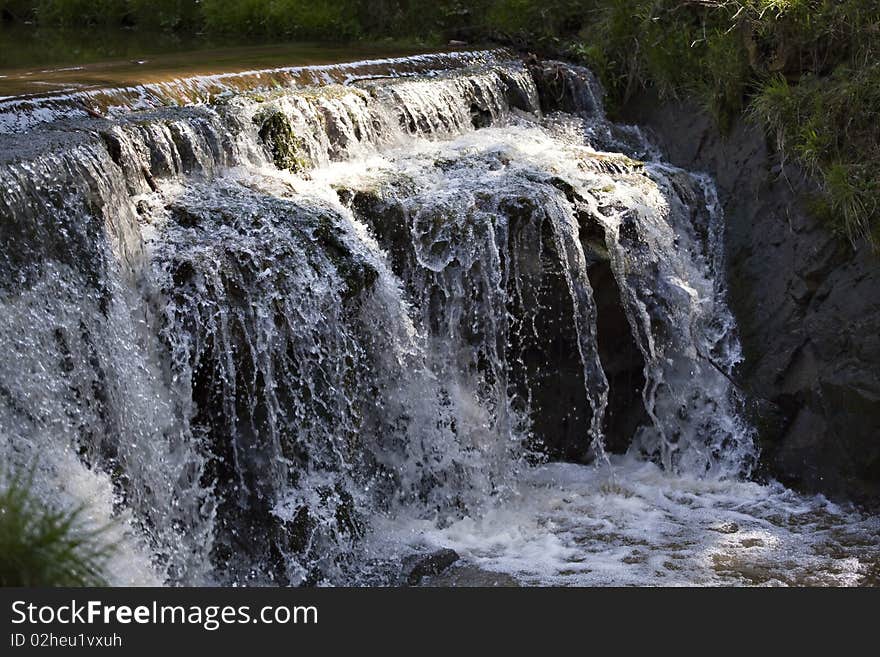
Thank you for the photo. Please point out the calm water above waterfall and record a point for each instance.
(301, 324)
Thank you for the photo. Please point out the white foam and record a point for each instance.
(575, 525)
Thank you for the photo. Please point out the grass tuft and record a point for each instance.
(41, 546)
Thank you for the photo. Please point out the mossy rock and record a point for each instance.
(284, 146)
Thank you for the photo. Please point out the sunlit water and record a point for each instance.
(163, 67)
(46, 60)
(630, 523)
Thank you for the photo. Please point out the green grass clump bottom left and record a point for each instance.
(42, 546)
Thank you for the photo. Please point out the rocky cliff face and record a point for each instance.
(807, 304)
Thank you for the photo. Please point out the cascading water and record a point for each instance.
(294, 335)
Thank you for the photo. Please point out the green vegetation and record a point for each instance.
(163, 14)
(292, 18)
(806, 70)
(40, 546)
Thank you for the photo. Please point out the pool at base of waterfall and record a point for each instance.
(629, 523)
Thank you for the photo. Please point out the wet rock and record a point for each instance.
(285, 148)
(566, 88)
(519, 97)
(468, 575)
(420, 566)
(549, 376)
(356, 273)
(480, 117)
(807, 306)
(386, 220)
(546, 374)
(113, 145)
(242, 257)
(621, 359)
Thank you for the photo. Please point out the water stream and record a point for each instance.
(293, 326)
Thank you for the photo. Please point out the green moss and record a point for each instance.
(40, 546)
(284, 146)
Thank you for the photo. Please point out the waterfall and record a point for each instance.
(298, 305)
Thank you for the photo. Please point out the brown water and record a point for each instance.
(41, 62)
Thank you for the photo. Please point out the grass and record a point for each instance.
(40, 546)
(829, 126)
